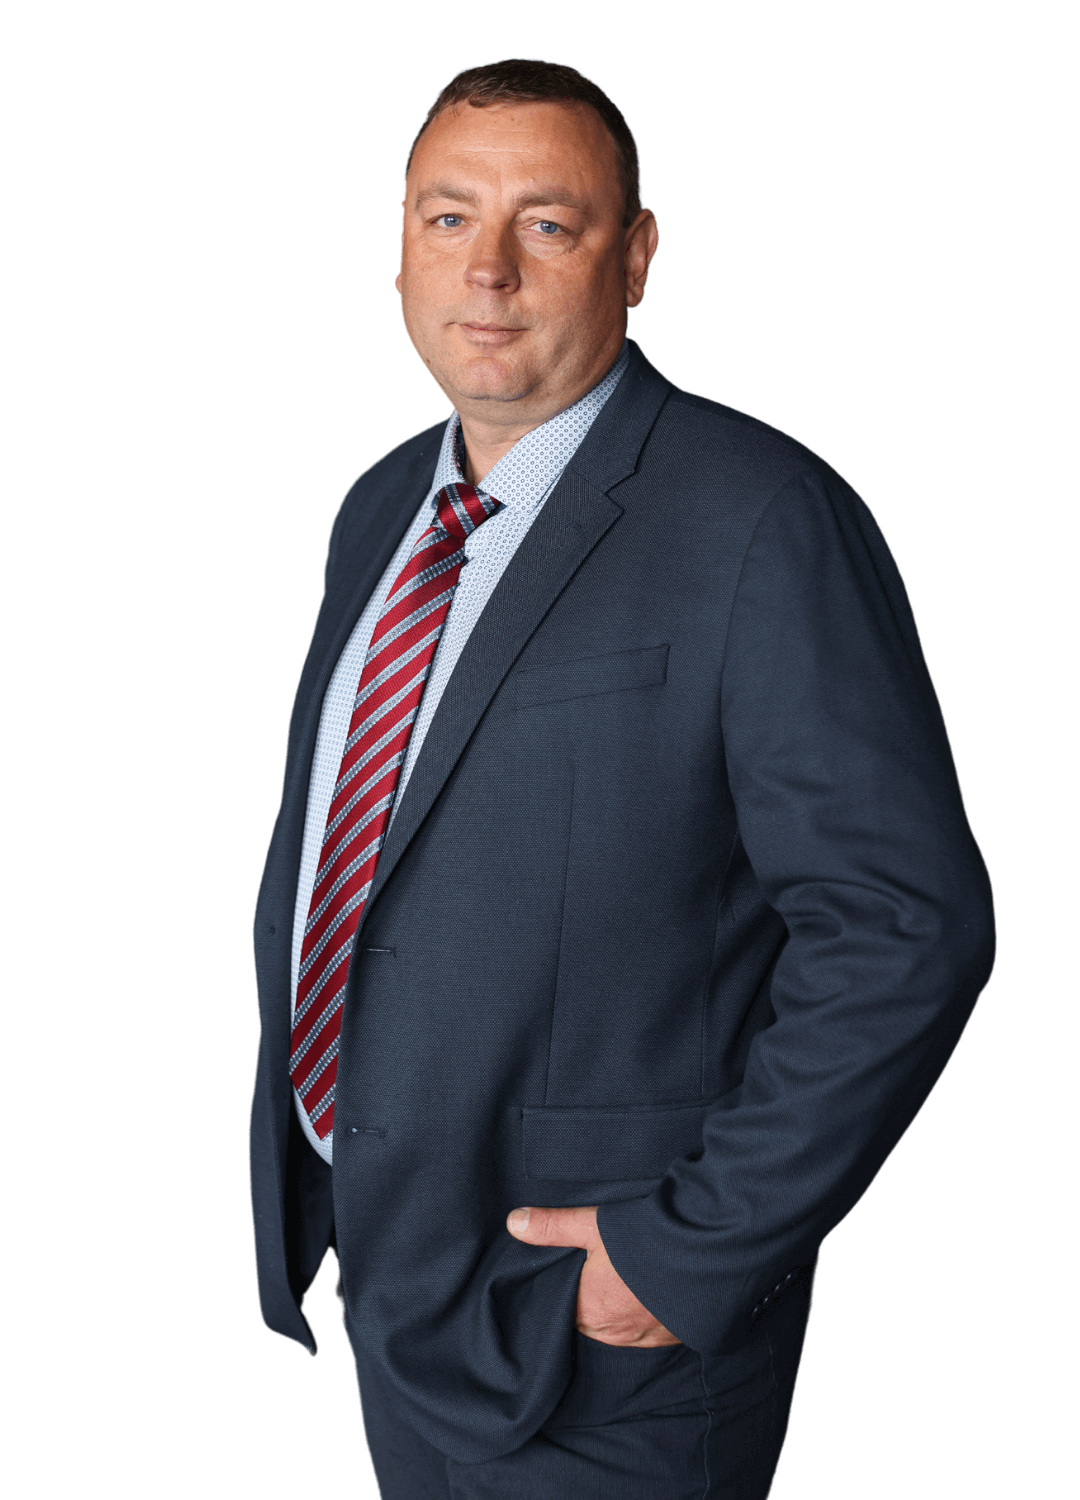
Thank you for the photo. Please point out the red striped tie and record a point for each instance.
(391, 686)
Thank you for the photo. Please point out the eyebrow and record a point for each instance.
(457, 194)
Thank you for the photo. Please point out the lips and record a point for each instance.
(489, 333)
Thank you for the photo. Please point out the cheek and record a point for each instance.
(425, 270)
(426, 292)
(590, 296)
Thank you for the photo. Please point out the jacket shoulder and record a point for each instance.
(730, 468)
(403, 468)
(402, 464)
(725, 435)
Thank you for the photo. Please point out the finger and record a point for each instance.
(574, 1227)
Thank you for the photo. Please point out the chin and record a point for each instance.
(489, 379)
(505, 393)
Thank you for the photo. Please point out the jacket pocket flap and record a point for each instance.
(592, 674)
(608, 1145)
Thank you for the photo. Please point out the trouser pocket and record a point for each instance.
(619, 1382)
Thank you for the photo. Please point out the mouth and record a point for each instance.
(490, 334)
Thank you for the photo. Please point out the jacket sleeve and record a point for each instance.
(850, 814)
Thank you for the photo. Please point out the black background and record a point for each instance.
(821, 266)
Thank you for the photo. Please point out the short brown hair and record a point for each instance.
(519, 80)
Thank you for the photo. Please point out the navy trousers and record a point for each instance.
(633, 1424)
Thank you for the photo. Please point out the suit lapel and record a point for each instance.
(568, 528)
(573, 521)
(357, 572)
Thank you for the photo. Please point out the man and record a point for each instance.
(621, 910)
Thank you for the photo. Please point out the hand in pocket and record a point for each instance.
(607, 1309)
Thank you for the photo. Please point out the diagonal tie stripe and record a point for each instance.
(396, 669)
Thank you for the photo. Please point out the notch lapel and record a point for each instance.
(569, 526)
(574, 519)
(358, 571)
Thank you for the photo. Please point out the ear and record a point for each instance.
(397, 281)
(639, 247)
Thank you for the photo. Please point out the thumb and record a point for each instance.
(574, 1227)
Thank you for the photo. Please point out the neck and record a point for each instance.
(487, 441)
(485, 445)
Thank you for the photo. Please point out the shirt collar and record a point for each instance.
(524, 476)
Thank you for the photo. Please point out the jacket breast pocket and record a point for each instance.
(591, 675)
(633, 1143)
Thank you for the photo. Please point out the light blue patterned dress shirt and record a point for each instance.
(522, 480)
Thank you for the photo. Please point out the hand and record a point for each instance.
(607, 1309)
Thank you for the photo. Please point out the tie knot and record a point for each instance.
(461, 510)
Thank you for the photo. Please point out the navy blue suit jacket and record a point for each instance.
(680, 915)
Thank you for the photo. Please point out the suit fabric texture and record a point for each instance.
(679, 914)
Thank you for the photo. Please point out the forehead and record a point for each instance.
(568, 142)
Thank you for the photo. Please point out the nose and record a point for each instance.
(492, 265)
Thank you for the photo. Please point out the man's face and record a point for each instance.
(516, 269)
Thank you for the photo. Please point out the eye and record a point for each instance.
(547, 227)
(450, 221)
